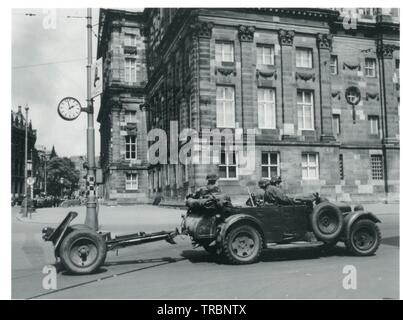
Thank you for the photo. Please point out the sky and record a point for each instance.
(48, 65)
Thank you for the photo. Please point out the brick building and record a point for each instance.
(320, 89)
(18, 124)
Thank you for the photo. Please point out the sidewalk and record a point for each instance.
(140, 215)
(146, 214)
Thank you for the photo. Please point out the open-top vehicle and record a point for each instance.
(240, 233)
(237, 233)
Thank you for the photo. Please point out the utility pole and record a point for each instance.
(26, 163)
(45, 174)
(91, 218)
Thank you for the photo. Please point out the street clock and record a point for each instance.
(69, 108)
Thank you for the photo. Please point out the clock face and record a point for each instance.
(69, 108)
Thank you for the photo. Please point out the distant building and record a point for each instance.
(79, 166)
(320, 87)
(18, 123)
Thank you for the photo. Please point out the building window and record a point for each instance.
(370, 67)
(266, 108)
(341, 167)
(132, 182)
(130, 70)
(224, 52)
(270, 165)
(305, 109)
(130, 40)
(225, 107)
(310, 166)
(228, 168)
(304, 58)
(377, 166)
(130, 117)
(131, 147)
(336, 124)
(265, 55)
(373, 125)
(334, 64)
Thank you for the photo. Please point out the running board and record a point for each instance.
(295, 244)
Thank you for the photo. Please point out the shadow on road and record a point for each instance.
(270, 255)
(391, 241)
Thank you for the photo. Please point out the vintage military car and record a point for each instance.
(240, 233)
(237, 233)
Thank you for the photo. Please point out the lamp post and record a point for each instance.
(91, 218)
(26, 164)
(61, 187)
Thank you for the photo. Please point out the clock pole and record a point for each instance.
(91, 218)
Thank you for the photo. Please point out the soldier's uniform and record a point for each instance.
(210, 193)
(274, 194)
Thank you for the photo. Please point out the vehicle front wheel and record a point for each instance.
(82, 251)
(242, 245)
(364, 238)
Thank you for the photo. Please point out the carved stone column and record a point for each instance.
(246, 35)
(388, 99)
(324, 42)
(288, 103)
(201, 78)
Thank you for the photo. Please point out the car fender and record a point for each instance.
(353, 216)
(234, 219)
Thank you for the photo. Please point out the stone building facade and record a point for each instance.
(123, 129)
(319, 89)
(18, 123)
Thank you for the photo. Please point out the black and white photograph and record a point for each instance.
(204, 153)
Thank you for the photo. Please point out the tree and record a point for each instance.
(53, 153)
(62, 175)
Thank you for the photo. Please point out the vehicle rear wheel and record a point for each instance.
(82, 251)
(327, 222)
(242, 245)
(364, 238)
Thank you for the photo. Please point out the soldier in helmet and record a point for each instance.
(274, 194)
(211, 193)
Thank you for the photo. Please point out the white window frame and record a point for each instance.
(227, 165)
(303, 107)
(265, 55)
(308, 165)
(130, 70)
(373, 125)
(266, 108)
(224, 115)
(130, 40)
(337, 130)
(301, 62)
(269, 165)
(132, 147)
(373, 157)
(132, 181)
(221, 55)
(370, 70)
(334, 64)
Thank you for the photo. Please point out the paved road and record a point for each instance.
(160, 270)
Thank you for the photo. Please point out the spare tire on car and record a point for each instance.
(326, 221)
